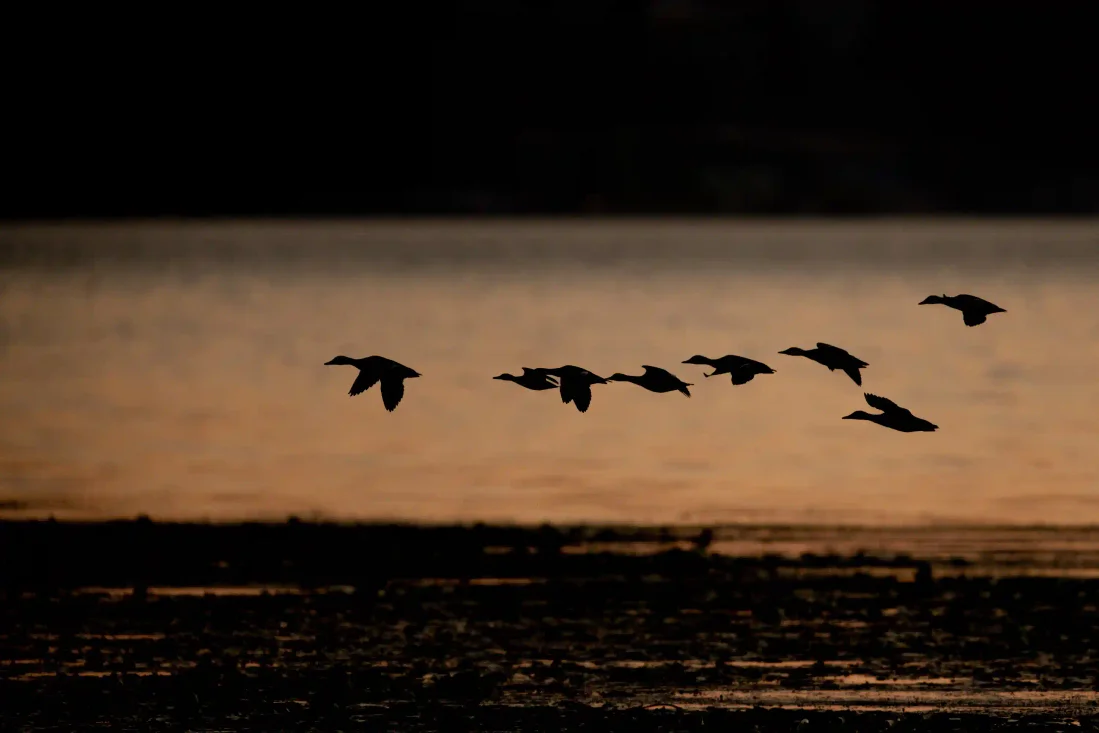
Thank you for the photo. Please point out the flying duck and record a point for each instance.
(374, 368)
(576, 384)
(974, 310)
(741, 369)
(892, 416)
(534, 379)
(832, 357)
(654, 379)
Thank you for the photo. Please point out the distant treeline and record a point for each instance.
(581, 106)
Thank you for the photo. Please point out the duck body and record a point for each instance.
(531, 379)
(892, 416)
(576, 384)
(975, 311)
(740, 369)
(832, 357)
(654, 379)
(374, 369)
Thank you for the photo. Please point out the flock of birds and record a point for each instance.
(575, 382)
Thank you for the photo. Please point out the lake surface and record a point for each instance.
(177, 369)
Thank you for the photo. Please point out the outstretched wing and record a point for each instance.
(540, 373)
(657, 370)
(837, 352)
(854, 373)
(582, 396)
(392, 392)
(363, 382)
(883, 404)
(973, 318)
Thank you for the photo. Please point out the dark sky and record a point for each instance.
(513, 107)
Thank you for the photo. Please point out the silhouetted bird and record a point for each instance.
(739, 368)
(832, 357)
(576, 384)
(534, 379)
(654, 379)
(974, 310)
(374, 368)
(892, 416)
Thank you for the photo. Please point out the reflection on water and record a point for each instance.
(912, 701)
(178, 371)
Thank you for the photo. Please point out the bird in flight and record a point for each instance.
(832, 357)
(534, 379)
(974, 310)
(576, 384)
(373, 369)
(739, 368)
(892, 416)
(654, 379)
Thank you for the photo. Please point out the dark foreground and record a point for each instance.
(149, 626)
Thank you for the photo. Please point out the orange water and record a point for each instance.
(177, 370)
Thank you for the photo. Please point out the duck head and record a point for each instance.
(619, 377)
(858, 415)
(933, 299)
(698, 359)
(338, 360)
(505, 377)
(793, 351)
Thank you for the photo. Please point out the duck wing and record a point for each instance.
(973, 317)
(568, 390)
(535, 374)
(834, 352)
(367, 378)
(581, 396)
(658, 372)
(392, 391)
(742, 375)
(885, 405)
(830, 349)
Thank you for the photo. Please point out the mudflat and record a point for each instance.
(263, 626)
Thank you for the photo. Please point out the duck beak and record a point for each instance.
(330, 363)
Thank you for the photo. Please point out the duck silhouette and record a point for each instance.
(576, 384)
(373, 369)
(892, 416)
(739, 368)
(654, 379)
(974, 310)
(534, 379)
(832, 357)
